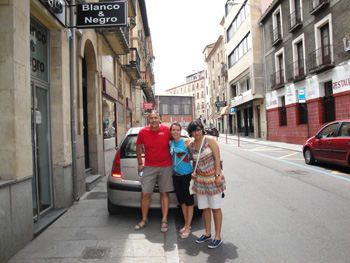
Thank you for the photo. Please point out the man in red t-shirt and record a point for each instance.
(158, 166)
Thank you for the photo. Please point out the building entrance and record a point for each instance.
(41, 147)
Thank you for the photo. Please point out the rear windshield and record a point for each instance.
(128, 148)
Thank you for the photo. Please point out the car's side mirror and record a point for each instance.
(117, 148)
(317, 136)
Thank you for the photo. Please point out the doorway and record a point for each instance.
(85, 115)
(41, 147)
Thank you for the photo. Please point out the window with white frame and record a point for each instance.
(279, 65)
(277, 24)
(299, 62)
(324, 41)
(296, 14)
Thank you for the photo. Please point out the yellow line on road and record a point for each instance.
(288, 155)
(339, 173)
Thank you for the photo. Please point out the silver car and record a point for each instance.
(123, 184)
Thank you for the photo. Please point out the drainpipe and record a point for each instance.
(72, 98)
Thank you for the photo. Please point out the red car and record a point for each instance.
(331, 144)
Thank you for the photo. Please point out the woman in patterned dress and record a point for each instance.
(209, 181)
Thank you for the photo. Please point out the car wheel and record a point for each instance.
(308, 156)
(113, 209)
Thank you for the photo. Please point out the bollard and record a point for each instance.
(238, 136)
(226, 135)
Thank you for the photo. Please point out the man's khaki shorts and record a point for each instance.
(153, 174)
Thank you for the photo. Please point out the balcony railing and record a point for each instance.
(134, 58)
(316, 5)
(132, 65)
(321, 59)
(223, 69)
(295, 19)
(117, 37)
(296, 70)
(277, 79)
(276, 35)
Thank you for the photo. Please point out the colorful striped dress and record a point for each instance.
(205, 183)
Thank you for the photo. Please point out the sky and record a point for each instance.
(180, 31)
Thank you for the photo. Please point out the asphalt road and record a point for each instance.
(276, 209)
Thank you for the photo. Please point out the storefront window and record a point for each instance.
(108, 119)
(120, 113)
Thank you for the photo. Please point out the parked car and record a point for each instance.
(331, 144)
(123, 184)
(212, 131)
(109, 132)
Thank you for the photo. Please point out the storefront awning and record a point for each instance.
(225, 110)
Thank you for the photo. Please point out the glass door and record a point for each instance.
(42, 181)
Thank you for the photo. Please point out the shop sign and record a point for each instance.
(220, 103)
(38, 50)
(148, 106)
(271, 100)
(341, 84)
(232, 110)
(37, 117)
(57, 8)
(301, 95)
(105, 14)
(109, 89)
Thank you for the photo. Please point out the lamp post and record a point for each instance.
(253, 5)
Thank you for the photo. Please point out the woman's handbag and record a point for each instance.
(195, 168)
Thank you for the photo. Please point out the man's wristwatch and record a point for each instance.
(140, 163)
(217, 175)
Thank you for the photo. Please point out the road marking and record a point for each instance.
(266, 149)
(289, 155)
(339, 173)
(303, 166)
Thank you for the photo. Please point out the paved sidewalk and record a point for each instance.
(86, 233)
(282, 145)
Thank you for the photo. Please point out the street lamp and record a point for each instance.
(253, 5)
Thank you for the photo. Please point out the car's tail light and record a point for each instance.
(116, 172)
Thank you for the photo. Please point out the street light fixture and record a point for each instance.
(253, 5)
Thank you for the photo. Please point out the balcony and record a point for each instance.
(321, 59)
(117, 38)
(277, 79)
(317, 5)
(144, 83)
(296, 71)
(295, 19)
(276, 35)
(133, 66)
(224, 70)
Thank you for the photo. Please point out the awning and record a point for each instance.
(225, 110)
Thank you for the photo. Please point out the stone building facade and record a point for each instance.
(67, 97)
(246, 92)
(216, 80)
(307, 66)
(194, 86)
